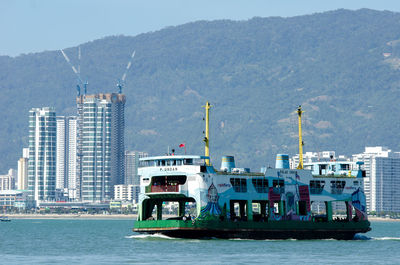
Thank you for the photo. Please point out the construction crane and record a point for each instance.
(121, 82)
(77, 72)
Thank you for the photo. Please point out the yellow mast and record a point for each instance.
(207, 136)
(300, 166)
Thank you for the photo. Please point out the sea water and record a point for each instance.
(86, 241)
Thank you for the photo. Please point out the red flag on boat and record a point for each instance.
(183, 145)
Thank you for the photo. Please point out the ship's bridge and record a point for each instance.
(173, 160)
(169, 174)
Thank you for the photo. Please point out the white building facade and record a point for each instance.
(7, 182)
(132, 165)
(42, 154)
(126, 193)
(66, 162)
(310, 157)
(382, 182)
(23, 170)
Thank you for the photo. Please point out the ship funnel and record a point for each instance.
(282, 161)
(228, 163)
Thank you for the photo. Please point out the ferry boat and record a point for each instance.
(275, 203)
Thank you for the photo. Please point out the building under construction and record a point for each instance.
(100, 145)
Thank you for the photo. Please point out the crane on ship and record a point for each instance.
(121, 81)
(77, 72)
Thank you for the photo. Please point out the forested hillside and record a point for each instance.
(341, 66)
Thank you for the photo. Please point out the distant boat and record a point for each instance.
(5, 219)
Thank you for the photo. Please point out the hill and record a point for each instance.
(341, 66)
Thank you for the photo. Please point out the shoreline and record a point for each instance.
(120, 216)
(71, 216)
(373, 218)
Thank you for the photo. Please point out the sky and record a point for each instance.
(28, 26)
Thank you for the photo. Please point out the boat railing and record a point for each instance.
(333, 176)
(164, 188)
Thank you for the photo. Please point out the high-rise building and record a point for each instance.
(42, 154)
(382, 181)
(66, 162)
(23, 173)
(131, 166)
(100, 145)
(7, 182)
(310, 157)
(23, 170)
(126, 193)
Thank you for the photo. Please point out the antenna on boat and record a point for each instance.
(301, 143)
(207, 136)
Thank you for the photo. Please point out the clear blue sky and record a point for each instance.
(36, 25)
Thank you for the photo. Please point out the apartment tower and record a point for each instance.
(23, 170)
(100, 145)
(66, 176)
(382, 182)
(42, 154)
(131, 166)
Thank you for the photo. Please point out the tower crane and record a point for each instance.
(77, 73)
(121, 82)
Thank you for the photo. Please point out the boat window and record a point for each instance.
(322, 169)
(344, 166)
(188, 161)
(145, 181)
(163, 163)
(168, 183)
(337, 186)
(170, 180)
(144, 164)
(317, 186)
(239, 184)
(355, 183)
(260, 184)
(178, 162)
(278, 185)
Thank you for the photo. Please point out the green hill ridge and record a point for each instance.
(341, 66)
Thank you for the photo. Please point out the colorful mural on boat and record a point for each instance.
(212, 208)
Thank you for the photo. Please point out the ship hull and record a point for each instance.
(254, 230)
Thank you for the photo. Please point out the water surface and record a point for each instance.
(82, 241)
